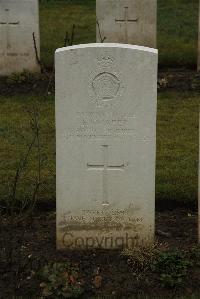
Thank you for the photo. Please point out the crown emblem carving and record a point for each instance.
(105, 61)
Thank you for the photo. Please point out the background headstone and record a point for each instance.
(127, 21)
(18, 21)
(106, 97)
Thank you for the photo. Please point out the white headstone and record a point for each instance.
(18, 20)
(127, 21)
(106, 98)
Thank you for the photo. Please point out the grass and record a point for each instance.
(57, 18)
(177, 28)
(177, 32)
(177, 146)
(16, 135)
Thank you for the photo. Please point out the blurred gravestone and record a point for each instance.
(127, 21)
(18, 21)
(106, 98)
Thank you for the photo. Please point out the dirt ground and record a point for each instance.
(33, 243)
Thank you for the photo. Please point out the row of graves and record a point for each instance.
(106, 104)
(118, 21)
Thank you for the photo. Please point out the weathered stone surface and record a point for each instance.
(127, 21)
(106, 98)
(18, 21)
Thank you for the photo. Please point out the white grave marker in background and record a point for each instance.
(18, 20)
(106, 97)
(127, 21)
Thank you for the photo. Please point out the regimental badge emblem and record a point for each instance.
(106, 86)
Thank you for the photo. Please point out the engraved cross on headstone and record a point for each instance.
(105, 167)
(126, 20)
(7, 24)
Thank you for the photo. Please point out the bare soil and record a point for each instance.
(33, 244)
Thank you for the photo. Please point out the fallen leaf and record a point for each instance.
(46, 292)
(66, 275)
(98, 281)
(43, 285)
(72, 279)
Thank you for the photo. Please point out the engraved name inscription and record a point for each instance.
(97, 124)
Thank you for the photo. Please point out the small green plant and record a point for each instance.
(23, 77)
(194, 255)
(140, 258)
(172, 267)
(60, 280)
